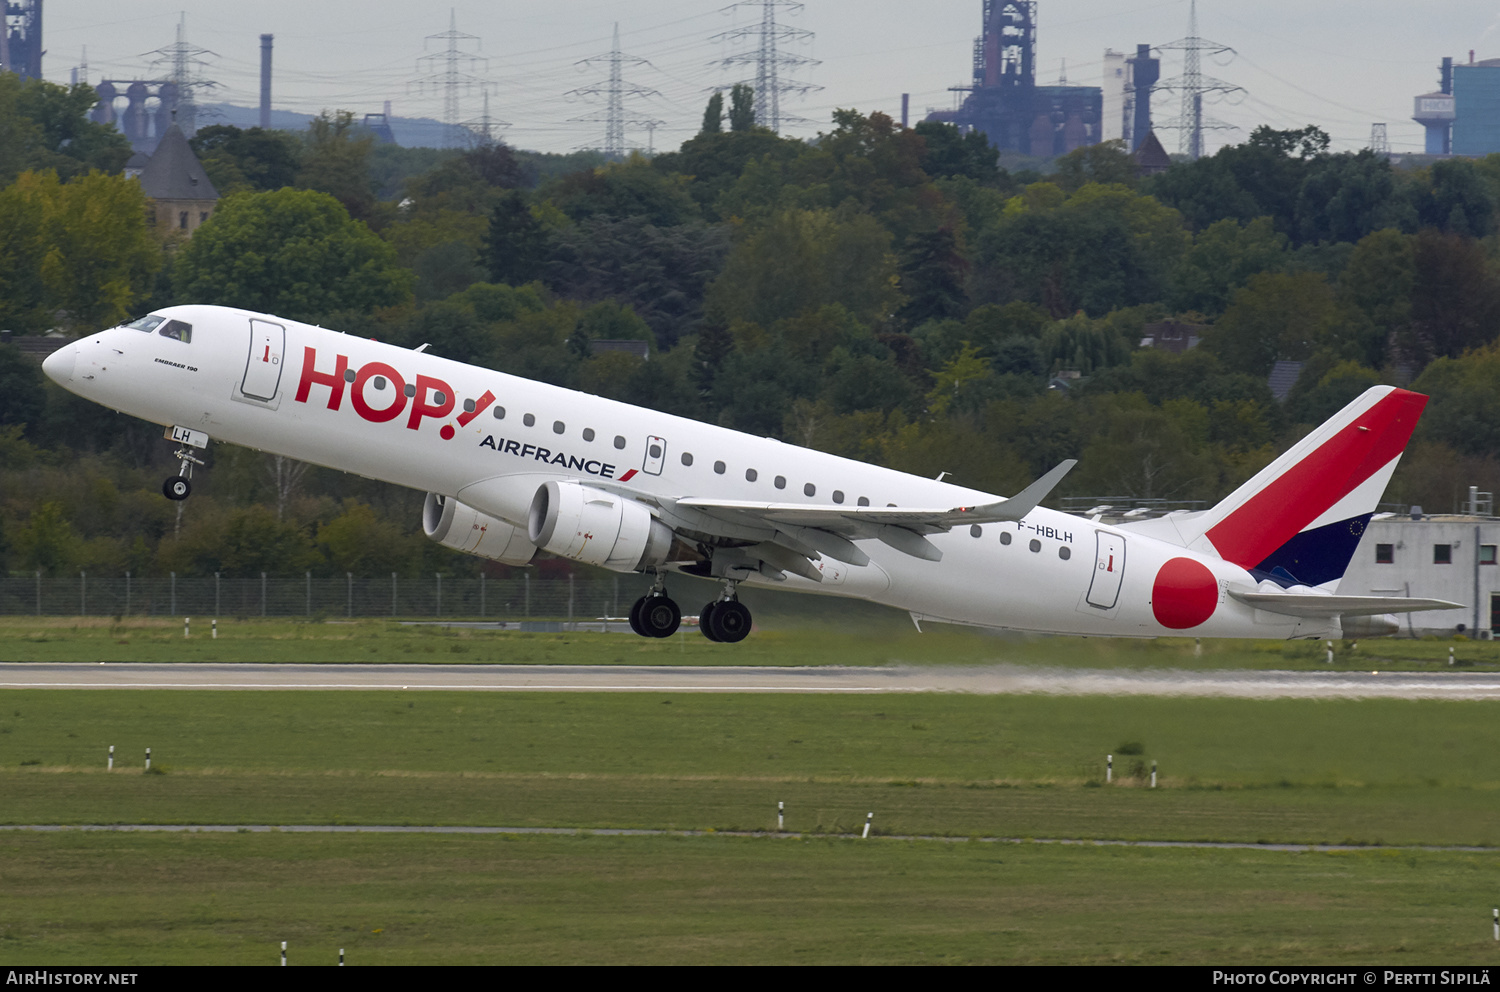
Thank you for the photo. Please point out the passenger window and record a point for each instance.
(720, 468)
(558, 427)
(529, 420)
(499, 413)
(751, 475)
(1005, 537)
(838, 495)
(976, 531)
(687, 459)
(864, 501)
(348, 375)
(781, 482)
(588, 433)
(468, 406)
(809, 490)
(177, 330)
(619, 442)
(439, 397)
(380, 382)
(410, 390)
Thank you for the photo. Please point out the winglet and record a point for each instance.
(1027, 499)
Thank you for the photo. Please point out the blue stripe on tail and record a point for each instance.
(1315, 556)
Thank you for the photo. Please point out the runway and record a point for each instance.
(980, 680)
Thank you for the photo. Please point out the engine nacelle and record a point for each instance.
(463, 528)
(596, 527)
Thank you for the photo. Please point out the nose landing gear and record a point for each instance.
(179, 486)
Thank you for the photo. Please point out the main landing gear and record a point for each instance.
(725, 620)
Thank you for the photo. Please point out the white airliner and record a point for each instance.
(511, 466)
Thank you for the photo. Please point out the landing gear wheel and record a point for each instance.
(176, 488)
(729, 622)
(659, 616)
(706, 621)
(635, 617)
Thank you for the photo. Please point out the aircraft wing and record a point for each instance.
(853, 519)
(1327, 607)
(829, 529)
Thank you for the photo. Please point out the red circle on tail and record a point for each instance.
(1185, 594)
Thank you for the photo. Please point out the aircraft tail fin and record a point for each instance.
(1299, 520)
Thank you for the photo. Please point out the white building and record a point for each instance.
(1450, 557)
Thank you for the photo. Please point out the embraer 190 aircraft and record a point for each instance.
(511, 466)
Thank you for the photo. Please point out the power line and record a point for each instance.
(449, 71)
(615, 91)
(1192, 84)
(185, 65)
(772, 62)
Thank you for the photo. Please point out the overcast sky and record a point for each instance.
(1340, 65)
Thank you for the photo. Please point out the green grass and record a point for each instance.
(53, 639)
(1376, 771)
(231, 899)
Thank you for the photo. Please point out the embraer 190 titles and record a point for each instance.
(538, 467)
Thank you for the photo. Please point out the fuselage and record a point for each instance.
(489, 440)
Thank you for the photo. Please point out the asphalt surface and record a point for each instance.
(984, 680)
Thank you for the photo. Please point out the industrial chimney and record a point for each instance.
(265, 80)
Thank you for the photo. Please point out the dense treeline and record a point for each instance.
(888, 294)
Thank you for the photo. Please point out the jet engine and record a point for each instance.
(597, 527)
(463, 528)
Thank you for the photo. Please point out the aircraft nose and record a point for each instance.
(59, 364)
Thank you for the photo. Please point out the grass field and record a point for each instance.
(231, 899)
(55, 639)
(1375, 771)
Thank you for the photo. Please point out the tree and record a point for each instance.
(78, 252)
(253, 158)
(1455, 301)
(1464, 413)
(1097, 250)
(45, 126)
(295, 253)
(802, 260)
(1108, 162)
(21, 394)
(337, 161)
(515, 248)
(661, 272)
(1285, 316)
(713, 114)
(1223, 258)
(633, 188)
(932, 277)
(948, 153)
(1346, 197)
(741, 108)
(1458, 201)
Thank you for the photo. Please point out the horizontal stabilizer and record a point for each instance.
(1327, 607)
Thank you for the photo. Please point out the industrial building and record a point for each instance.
(1462, 117)
(1020, 116)
(21, 38)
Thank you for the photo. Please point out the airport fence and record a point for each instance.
(427, 596)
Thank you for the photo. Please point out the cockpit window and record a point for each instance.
(177, 329)
(147, 324)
